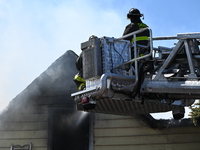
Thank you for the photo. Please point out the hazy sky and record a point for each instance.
(34, 33)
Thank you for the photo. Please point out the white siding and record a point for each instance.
(24, 126)
(130, 133)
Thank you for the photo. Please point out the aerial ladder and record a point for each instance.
(115, 84)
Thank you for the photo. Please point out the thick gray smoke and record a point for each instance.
(57, 80)
(49, 95)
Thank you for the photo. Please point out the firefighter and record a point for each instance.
(78, 78)
(80, 82)
(142, 38)
(136, 24)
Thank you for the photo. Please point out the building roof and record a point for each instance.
(57, 80)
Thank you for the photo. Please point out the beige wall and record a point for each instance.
(24, 126)
(130, 133)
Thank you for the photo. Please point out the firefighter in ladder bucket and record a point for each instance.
(141, 39)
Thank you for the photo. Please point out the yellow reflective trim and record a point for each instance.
(142, 25)
(80, 86)
(140, 38)
(141, 55)
(78, 78)
(138, 57)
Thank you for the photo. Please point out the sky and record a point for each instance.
(34, 33)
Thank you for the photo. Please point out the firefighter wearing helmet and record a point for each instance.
(142, 38)
(136, 24)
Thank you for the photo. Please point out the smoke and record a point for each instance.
(36, 33)
(73, 121)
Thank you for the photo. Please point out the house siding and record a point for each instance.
(129, 133)
(24, 126)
